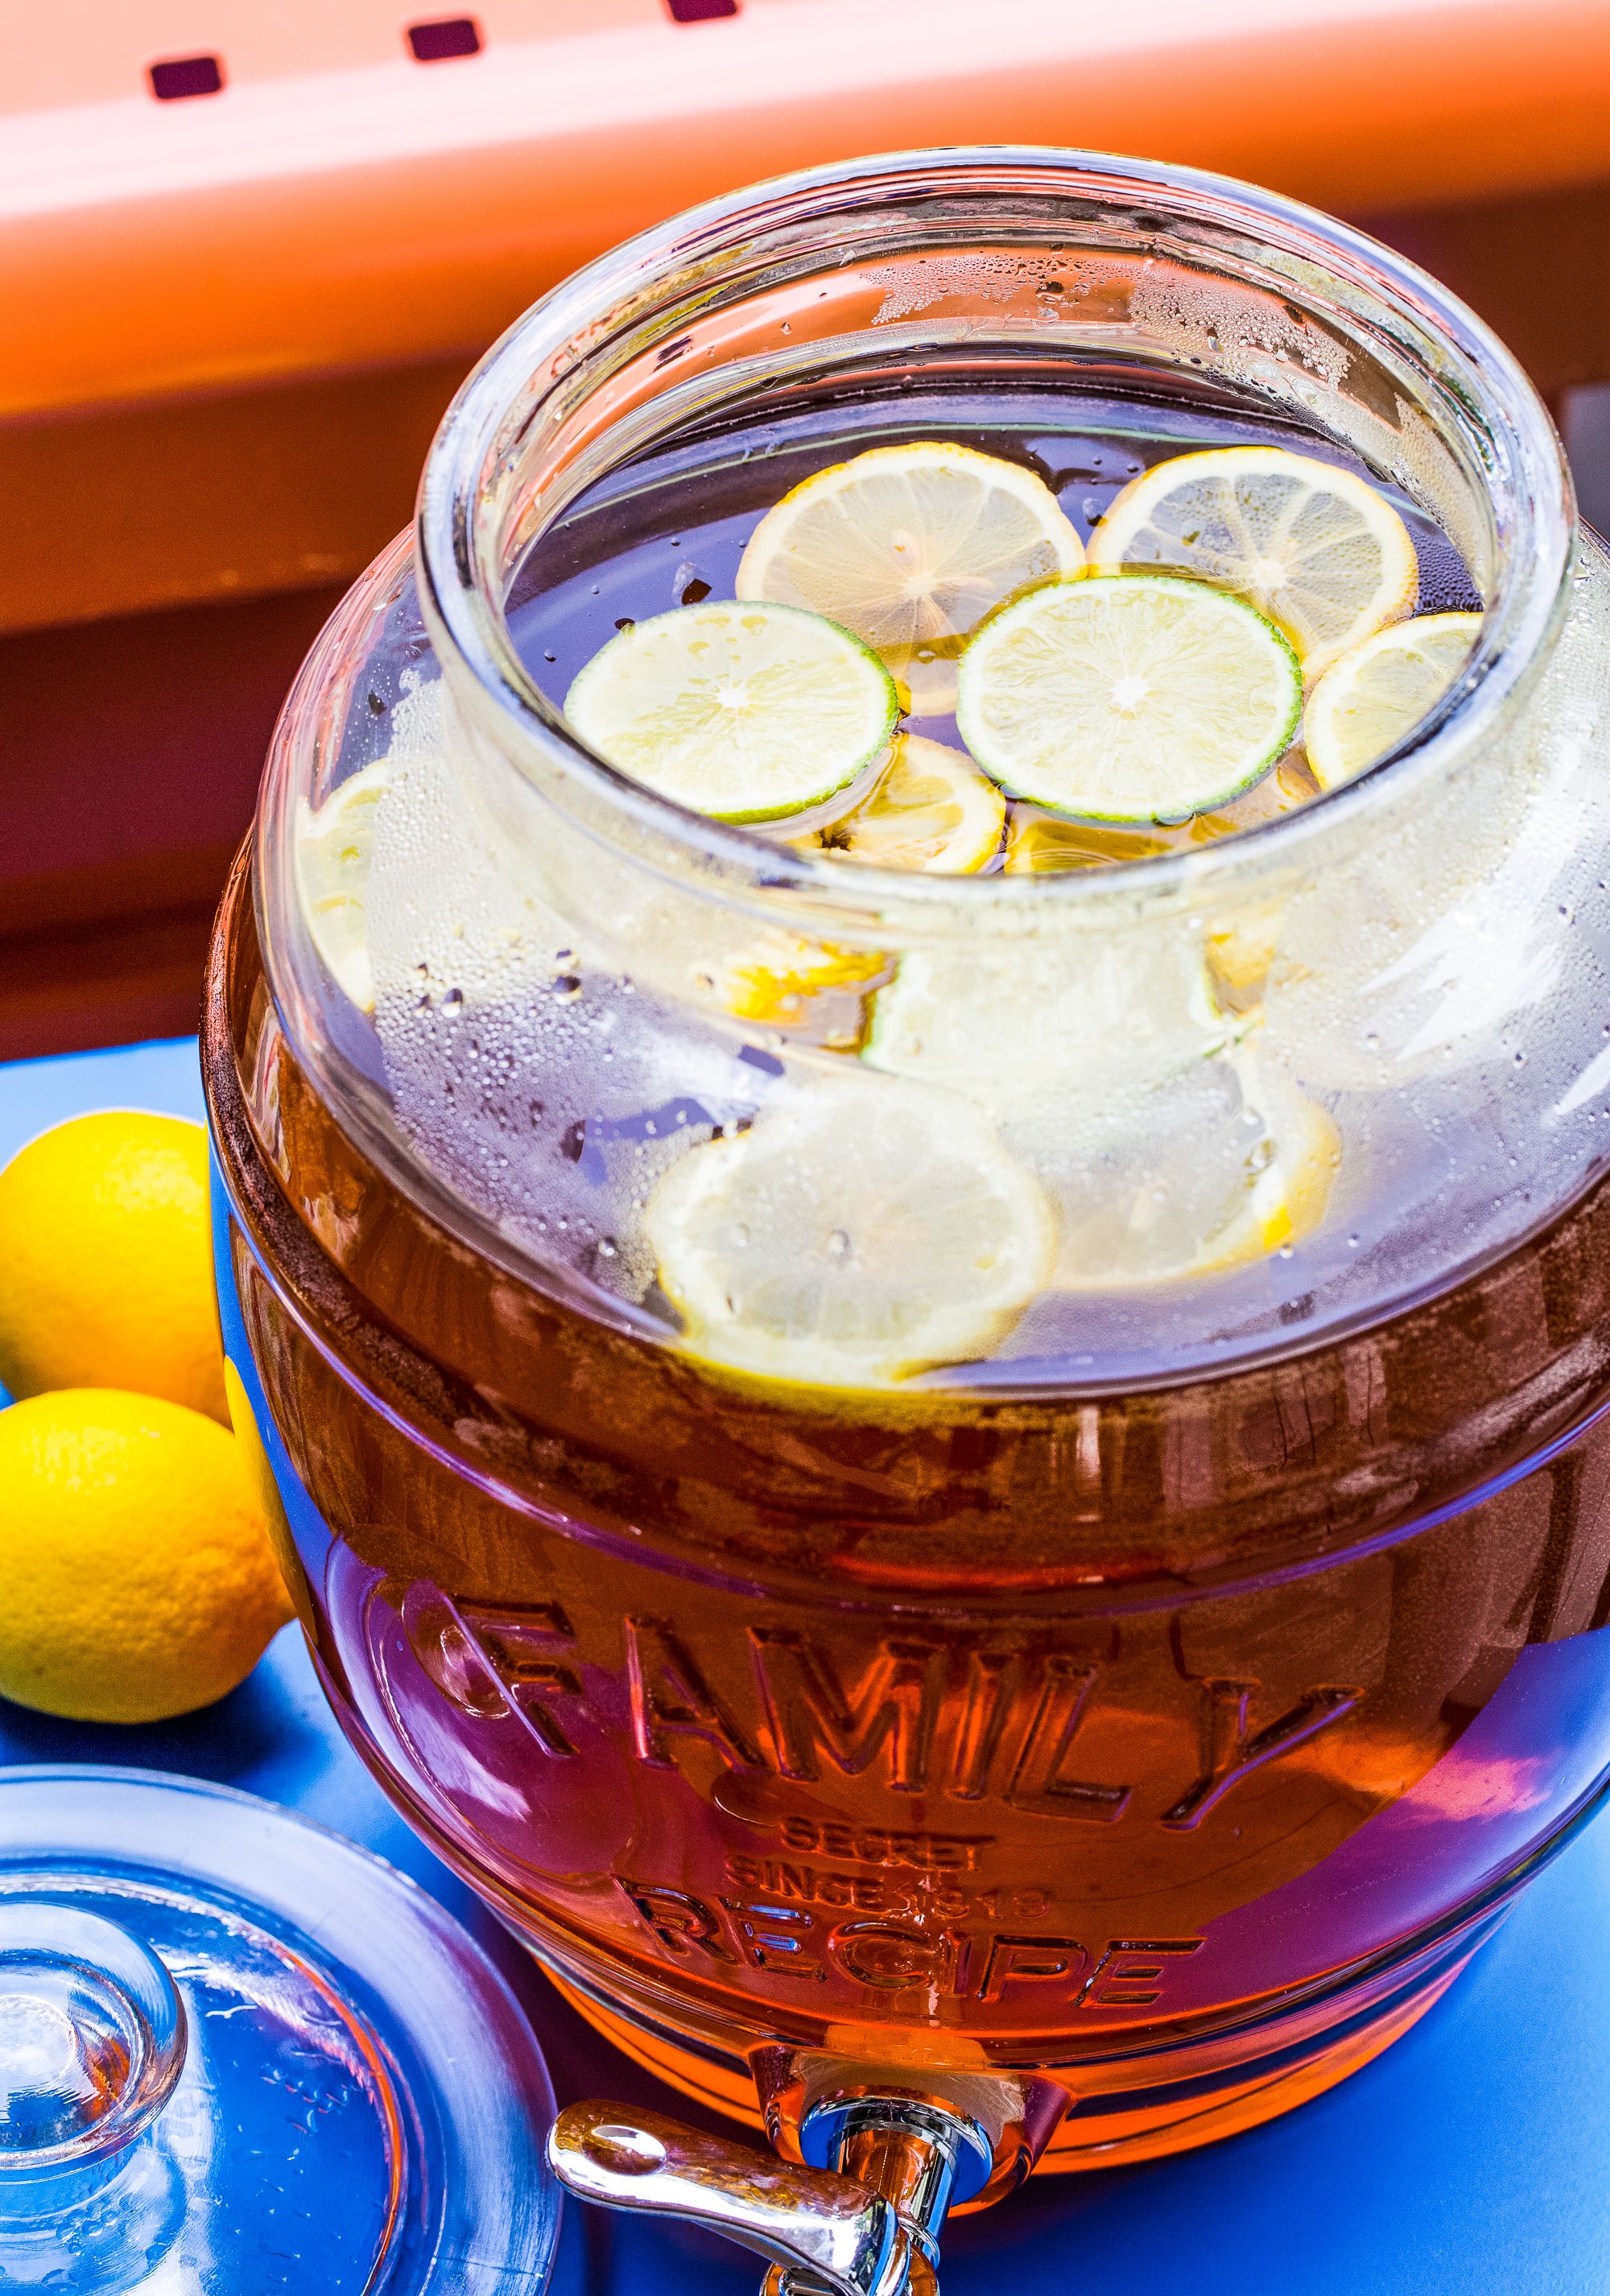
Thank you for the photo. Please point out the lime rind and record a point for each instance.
(997, 714)
(747, 712)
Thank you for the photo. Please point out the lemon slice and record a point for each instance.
(1287, 1199)
(1209, 1169)
(1106, 1020)
(745, 712)
(851, 1236)
(780, 977)
(910, 547)
(334, 847)
(1317, 549)
(1369, 699)
(1146, 699)
(933, 810)
(1242, 949)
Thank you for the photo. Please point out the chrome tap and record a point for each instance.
(860, 2216)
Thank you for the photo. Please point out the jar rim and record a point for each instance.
(463, 607)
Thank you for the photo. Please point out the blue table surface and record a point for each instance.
(1473, 2157)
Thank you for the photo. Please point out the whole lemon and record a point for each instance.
(106, 1264)
(138, 1581)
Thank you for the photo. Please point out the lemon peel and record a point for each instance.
(139, 1580)
(105, 1241)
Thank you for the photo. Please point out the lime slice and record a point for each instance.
(333, 846)
(745, 712)
(910, 547)
(933, 810)
(1317, 549)
(1146, 699)
(1366, 702)
(853, 1234)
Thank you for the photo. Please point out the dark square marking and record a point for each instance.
(447, 36)
(183, 76)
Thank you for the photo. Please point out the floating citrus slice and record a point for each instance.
(1315, 548)
(745, 712)
(1366, 702)
(334, 847)
(1106, 1020)
(781, 978)
(853, 1234)
(933, 810)
(1137, 700)
(910, 547)
(1287, 1199)
(1213, 1168)
(1241, 949)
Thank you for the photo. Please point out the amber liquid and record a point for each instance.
(1151, 1741)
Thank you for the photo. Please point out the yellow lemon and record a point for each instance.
(139, 1581)
(105, 1263)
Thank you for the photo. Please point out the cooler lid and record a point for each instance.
(239, 2056)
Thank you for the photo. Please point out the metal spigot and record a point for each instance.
(866, 2223)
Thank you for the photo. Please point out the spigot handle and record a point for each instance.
(849, 2239)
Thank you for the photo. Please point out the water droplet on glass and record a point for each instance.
(838, 1245)
(452, 1002)
(567, 987)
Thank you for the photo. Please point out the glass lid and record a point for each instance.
(239, 2056)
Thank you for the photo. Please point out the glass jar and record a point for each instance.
(1117, 1721)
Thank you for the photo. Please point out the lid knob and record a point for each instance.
(91, 2036)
